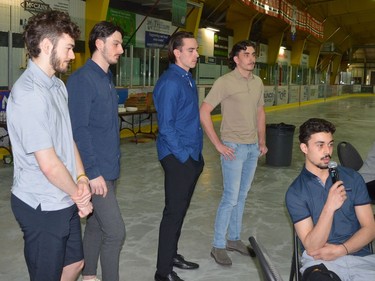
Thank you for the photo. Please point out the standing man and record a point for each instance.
(49, 179)
(240, 93)
(93, 110)
(334, 221)
(367, 171)
(179, 146)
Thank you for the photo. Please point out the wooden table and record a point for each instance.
(136, 129)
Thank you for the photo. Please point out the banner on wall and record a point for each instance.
(282, 95)
(305, 93)
(156, 32)
(4, 95)
(156, 40)
(61, 5)
(269, 95)
(179, 8)
(263, 53)
(126, 21)
(289, 13)
(220, 45)
(293, 94)
(314, 92)
(35, 7)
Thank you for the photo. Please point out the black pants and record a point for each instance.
(179, 184)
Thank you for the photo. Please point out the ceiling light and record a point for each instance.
(212, 29)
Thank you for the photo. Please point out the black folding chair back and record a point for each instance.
(295, 273)
(269, 271)
(349, 156)
(296, 264)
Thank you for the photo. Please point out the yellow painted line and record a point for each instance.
(217, 117)
(316, 101)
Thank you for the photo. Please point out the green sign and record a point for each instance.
(179, 8)
(126, 21)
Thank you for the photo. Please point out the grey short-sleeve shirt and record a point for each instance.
(38, 118)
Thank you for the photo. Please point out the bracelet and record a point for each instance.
(82, 176)
(346, 249)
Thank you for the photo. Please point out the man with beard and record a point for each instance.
(242, 142)
(49, 182)
(93, 110)
(333, 220)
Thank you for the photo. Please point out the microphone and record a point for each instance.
(332, 168)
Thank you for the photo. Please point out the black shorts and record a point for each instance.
(52, 239)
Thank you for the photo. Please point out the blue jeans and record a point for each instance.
(238, 175)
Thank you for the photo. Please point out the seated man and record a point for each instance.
(334, 221)
(367, 171)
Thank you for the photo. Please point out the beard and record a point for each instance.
(57, 63)
(323, 166)
(110, 59)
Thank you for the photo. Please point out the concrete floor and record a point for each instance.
(141, 197)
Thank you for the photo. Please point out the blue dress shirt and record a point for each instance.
(176, 101)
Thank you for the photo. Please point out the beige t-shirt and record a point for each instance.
(240, 98)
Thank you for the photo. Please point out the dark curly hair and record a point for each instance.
(51, 25)
(176, 42)
(237, 48)
(102, 30)
(313, 126)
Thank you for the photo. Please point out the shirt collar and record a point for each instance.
(307, 173)
(180, 70)
(49, 82)
(238, 75)
(98, 69)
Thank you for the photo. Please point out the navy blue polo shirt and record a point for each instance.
(307, 195)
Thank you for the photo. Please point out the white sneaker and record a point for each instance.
(92, 279)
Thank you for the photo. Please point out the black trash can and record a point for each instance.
(279, 141)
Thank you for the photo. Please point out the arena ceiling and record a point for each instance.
(349, 25)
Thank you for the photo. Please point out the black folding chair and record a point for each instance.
(295, 273)
(349, 156)
(296, 264)
(269, 271)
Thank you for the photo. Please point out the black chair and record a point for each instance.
(269, 271)
(296, 264)
(295, 273)
(349, 156)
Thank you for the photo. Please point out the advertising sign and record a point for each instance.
(126, 21)
(294, 93)
(156, 40)
(314, 92)
(269, 95)
(305, 92)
